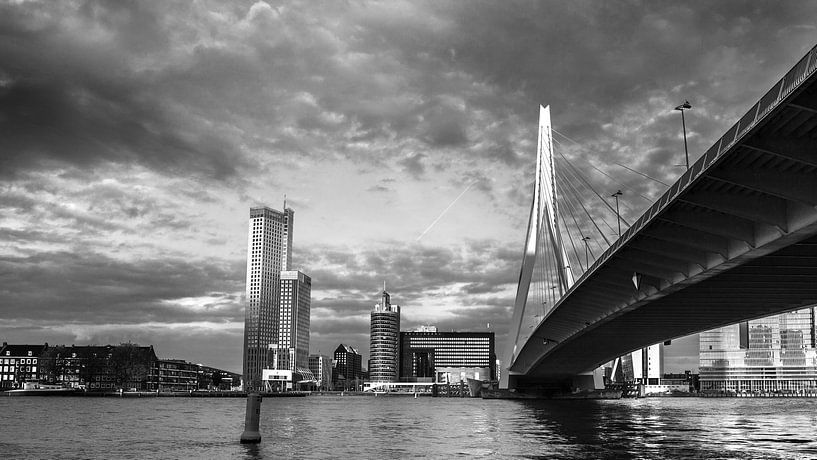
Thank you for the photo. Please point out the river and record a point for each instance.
(405, 427)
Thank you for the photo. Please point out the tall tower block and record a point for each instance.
(269, 251)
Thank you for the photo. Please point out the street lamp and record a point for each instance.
(681, 108)
(586, 240)
(618, 214)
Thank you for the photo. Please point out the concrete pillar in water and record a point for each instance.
(251, 433)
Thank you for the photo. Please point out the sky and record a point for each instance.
(135, 136)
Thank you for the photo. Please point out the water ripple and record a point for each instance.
(396, 427)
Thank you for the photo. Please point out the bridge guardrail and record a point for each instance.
(804, 68)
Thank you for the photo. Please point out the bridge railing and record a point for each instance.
(779, 92)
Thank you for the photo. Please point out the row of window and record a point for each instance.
(18, 361)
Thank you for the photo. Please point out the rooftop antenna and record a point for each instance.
(384, 285)
(285, 201)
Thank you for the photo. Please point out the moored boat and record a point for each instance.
(42, 389)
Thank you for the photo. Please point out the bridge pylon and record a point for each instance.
(545, 275)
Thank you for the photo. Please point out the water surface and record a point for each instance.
(404, 427)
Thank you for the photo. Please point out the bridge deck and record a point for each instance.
(735, 238)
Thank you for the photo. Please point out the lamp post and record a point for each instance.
(618, 214)
(681, 108)
(586, 240)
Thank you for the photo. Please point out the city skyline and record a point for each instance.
(135, 137)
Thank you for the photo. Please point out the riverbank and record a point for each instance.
(162, 394)
(809, 395)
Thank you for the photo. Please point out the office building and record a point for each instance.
(348, 368)
(772, 354)
(321, 368)
(291, 350)
(269, 251)
(446, 356)
(177, 375)
(645, 366)
(384, 340)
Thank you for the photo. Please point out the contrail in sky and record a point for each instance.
(446, 209)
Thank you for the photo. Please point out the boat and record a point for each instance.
(42, 389)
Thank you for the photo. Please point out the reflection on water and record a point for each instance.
(399, 427)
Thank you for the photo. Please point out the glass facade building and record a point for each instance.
(269, 251)
(384, 341)
(772, 354)
(294, 300)
(423, 354)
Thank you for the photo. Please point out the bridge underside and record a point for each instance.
(734, 239)
(782, 281)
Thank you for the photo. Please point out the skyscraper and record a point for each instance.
(384, 340)
(291, 351)
(269, 251)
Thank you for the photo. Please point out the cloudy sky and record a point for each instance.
(135, 136)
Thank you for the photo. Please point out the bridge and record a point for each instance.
(733, 239)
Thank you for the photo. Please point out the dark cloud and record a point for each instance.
(97, 289)
(77, 117)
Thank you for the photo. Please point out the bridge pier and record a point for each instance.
(585, 382)
(589, 381)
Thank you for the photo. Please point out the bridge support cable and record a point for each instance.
(577, 193)
(570, 210)
(598, 236)
(565, 228)
(578, 175)
(590, 163)
(590, 216)
(568, 199)
(571, 196)
(578, 259)
(642, 174)
(572, 245)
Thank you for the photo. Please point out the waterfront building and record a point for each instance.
(347, 368)
(125, 366)
(177, 375)
(101, 368)
(291, 350)
(772, 354)
(447, 356)
(384, 340)
(211, 378)
(321, 368)
(269, 252)
(645, 365)
(280, 380)
(19, 364)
